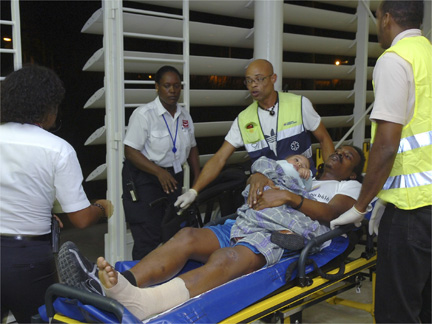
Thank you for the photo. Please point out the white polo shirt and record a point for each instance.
(36, 167)
(152, 131)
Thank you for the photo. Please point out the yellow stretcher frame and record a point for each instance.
(295, 299)
(58, 318)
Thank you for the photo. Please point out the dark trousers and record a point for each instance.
(403, 288)
(27, 270)
(145, 220)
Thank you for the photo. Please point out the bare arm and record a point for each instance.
(314, 209)
(380, 163)
(322, 135)
(214, 166)
(193, 160)
(167, 181)
(90, 215)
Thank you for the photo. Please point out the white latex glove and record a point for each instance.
(377, 213)
(350, 216)
(186, 199)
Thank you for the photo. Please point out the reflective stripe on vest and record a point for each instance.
(415, 141)
(257, 146)
(409, 180)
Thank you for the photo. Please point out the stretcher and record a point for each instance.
(282, 290)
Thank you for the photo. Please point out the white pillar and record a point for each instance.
(115, 239)
(268, 31)
(186, 80)
(362, 38)
(16, 34)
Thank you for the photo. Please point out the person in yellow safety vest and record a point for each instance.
(275, 125)
(399, 169)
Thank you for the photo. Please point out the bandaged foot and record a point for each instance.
(287, 240)
(141, 302)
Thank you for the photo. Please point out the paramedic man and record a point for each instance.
(36, 167)
(224, 259)
(263, 128)
(159, 139)
(400, 166)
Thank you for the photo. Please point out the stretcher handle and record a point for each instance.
(62, 290)
(316, 241)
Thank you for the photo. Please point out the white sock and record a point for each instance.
(145, 302)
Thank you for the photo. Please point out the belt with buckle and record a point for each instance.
(45, 237)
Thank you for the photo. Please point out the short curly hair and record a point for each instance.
(29, 94)
(164, 69)
(407, 14)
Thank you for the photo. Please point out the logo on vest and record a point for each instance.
(290, 123)
(295, 146)
(250, 127)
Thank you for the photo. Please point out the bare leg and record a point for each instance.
(167, 260)
(224, 265)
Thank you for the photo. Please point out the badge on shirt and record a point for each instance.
(177, 166)
(185, 123)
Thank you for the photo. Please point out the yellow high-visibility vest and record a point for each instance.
(291, 135)
(409, 185)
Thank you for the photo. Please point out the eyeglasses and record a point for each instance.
(259, 80)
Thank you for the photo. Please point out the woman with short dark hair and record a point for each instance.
(36, 168)
(159, 140)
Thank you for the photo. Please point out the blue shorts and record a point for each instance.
(223, 233)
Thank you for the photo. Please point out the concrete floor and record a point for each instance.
(91, 243)
(327, 313)
(90, 240)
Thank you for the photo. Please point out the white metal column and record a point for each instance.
(115, 239)
(268, 31)
(15, 22)
(186, 78)
(362, 39)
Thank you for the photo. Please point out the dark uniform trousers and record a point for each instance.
(145, 220)
(403, 289)
(27, 269)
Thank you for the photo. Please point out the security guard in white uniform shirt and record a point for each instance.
(159, 139)
(36, 168)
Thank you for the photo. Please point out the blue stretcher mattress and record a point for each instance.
(212, 306)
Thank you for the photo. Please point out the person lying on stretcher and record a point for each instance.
(228, 251)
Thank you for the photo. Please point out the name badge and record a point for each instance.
(177, 166)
